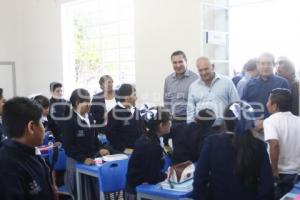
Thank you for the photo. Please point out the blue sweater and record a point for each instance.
(24, 175)
(216, 166)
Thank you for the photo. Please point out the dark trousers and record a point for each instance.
(175, 124)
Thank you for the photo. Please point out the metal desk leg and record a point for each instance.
(79, 192)
(102, 196)
(138, 196)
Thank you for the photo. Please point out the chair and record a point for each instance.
(167, 163)
(112, 177)
(103, 139)
(58, 156)
(48, 139)
(60, 163)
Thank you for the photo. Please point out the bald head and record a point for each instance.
(203, 59)
(205, 69)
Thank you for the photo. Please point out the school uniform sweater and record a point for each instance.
(123, 128)
(57, 111)
(188, 142)
(146, 163)
(79, 140)
(215, 176)
(24, 175)
(98, 110)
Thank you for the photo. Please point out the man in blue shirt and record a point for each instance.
(259, 88)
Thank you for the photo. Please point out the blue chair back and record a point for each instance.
(112, 176)
(167, 163)
(48, 138)
(60, 164)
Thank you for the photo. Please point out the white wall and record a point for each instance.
(10, 39)
(34, 29)
(30, 37)
(161, 27)
(42, 45)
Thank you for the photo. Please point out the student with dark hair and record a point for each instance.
(57, 109)
(250, 71)
(281, 132)
(1, 108)
(124, 125)
(24, 174)
(234, 165)
(146, 162)
(188, 140)
(103, 102)
(286, 69)
(44, 103)
(80, 141)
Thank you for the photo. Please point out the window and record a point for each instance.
(98, 39)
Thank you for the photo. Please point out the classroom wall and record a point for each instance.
(11, 39)
(30, 37)
(33, 40)
(162, 27)
(42, 45)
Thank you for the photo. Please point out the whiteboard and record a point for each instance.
(8, 79)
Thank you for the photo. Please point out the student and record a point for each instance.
(103, 102)
(281, 132)
(234, 165)
(146, 162)
(124, 125)
(57, 109)
(188, 140)
(1, 107)
(45, 103)
(250, 71)
(80, 141)
(23, 172)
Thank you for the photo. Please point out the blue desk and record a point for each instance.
(90, 170)
(157, 193)
(293, 193)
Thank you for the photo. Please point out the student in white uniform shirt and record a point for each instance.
(282, 133)
(103, 102)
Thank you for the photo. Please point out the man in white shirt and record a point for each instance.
(282, 133)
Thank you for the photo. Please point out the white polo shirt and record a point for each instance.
(285, 127)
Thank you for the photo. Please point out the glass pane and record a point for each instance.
(109, 30)
(126, 27)
(126, 41)
(126, 54)
(110, 43)
(92, 32)
(110, 56)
